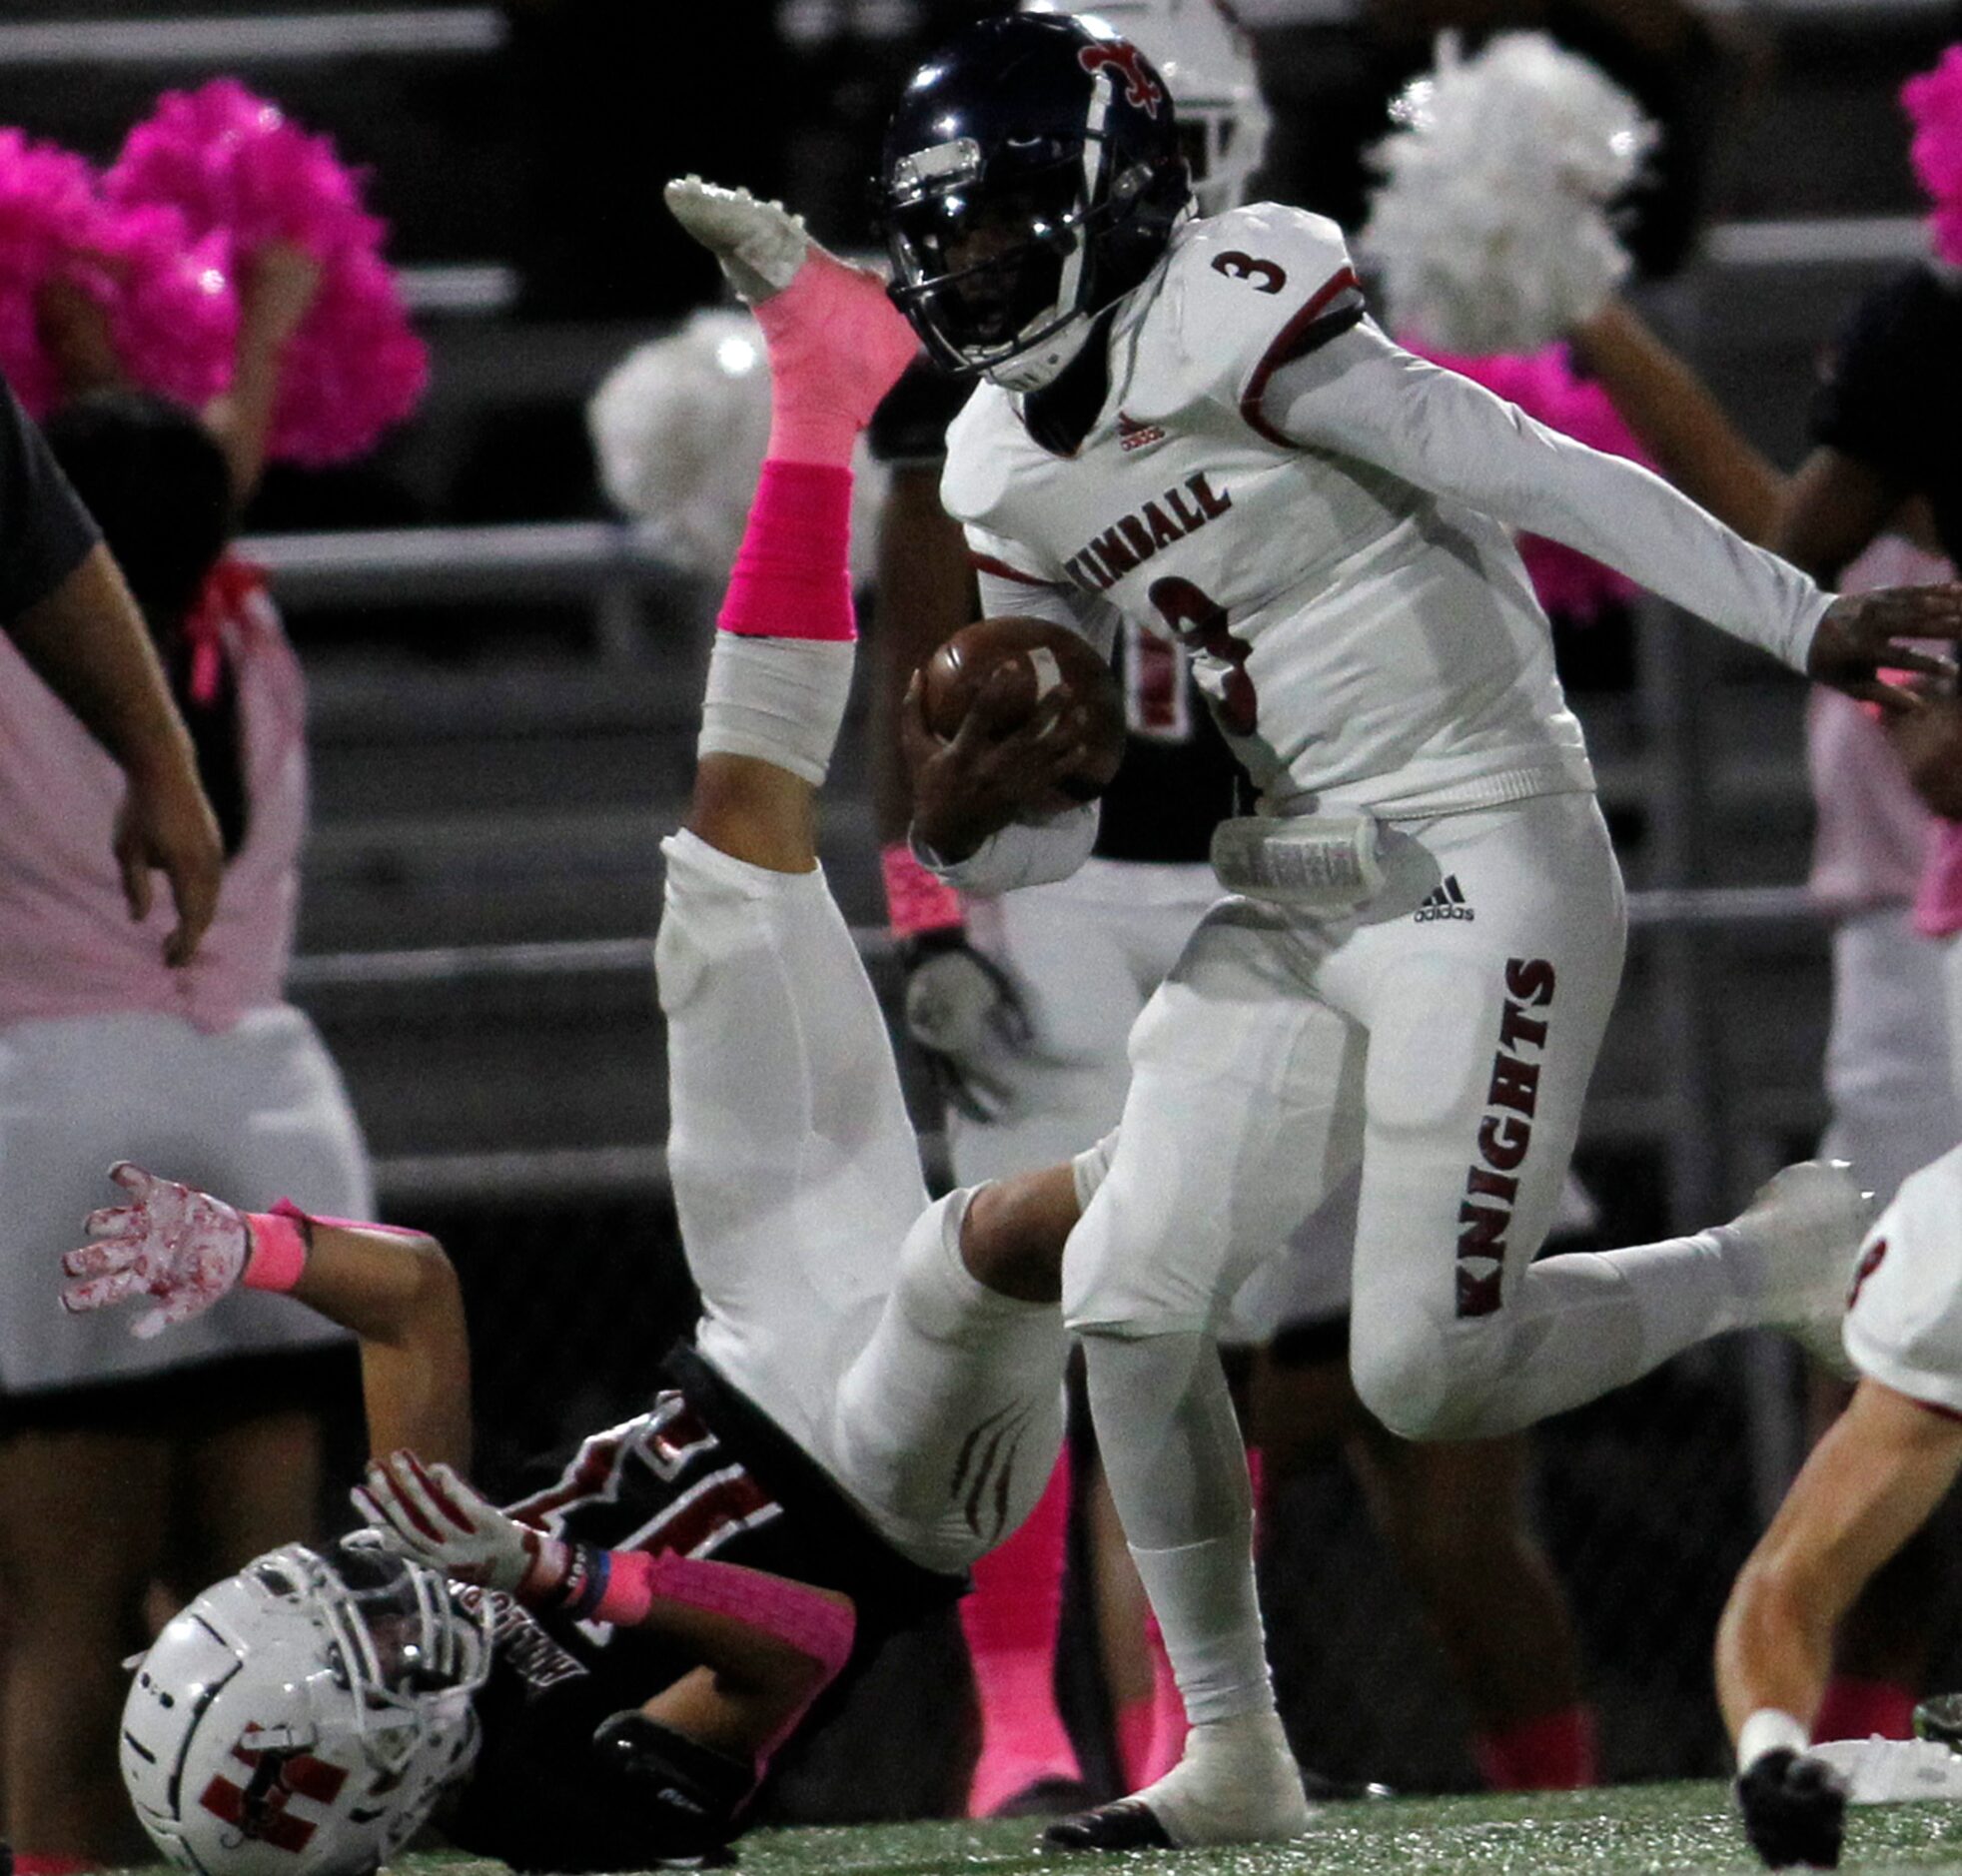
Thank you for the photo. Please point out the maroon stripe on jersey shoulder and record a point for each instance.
(987, 564)
(1297, 340)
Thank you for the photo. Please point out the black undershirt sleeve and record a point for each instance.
(1890, 379)
(45, 532)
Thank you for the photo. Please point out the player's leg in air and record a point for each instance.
(929, 1388)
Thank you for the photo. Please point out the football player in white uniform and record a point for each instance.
(1194, 423)
(874, 1394)
(1869, 1484)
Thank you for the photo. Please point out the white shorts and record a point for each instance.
(257, 1112)
(1888, 1080)
(832, 1295)
(1441, 1038)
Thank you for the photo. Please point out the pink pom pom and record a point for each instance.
(49, 213)
(352, 369)
(234, 166)
(173, 317)
(1543, 384)
(1933, 103)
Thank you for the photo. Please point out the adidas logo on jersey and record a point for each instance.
(1447, 901)
(1132, 435)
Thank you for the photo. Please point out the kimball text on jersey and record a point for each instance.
(1179, 512)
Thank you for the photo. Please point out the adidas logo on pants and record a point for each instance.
(1447, 901)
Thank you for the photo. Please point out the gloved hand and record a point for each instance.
(170, 1241)
(967, 1018)
(429, 1516)
(1794, 1809)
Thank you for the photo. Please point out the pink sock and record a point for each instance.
(1555, 1752)
(836, 345)
(43, 1863)
(1857, 1709)
(1150, 1733)
(792, 579)
(1011, 1622)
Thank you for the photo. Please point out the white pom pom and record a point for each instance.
(679, 428)
(1491, 226)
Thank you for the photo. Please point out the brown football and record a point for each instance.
(1041, 655)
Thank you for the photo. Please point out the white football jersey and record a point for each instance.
(1364, 642)
(1904, 1321)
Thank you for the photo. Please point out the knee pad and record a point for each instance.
(1424, 1378)
(932, 1286)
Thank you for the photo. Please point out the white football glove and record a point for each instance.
(430, 1515)
(966, 1016)
(171, 1242)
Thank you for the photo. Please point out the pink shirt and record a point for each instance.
(1873, 835)
(68, 946)
(1938, 905)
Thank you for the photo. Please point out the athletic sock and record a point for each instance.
(780, 672)
(1857, 1709)
(1151, 1732)
(1011, 1621)
(1178, 1475)
(1554, 1752)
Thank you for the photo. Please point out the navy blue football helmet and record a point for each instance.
(1032, 177)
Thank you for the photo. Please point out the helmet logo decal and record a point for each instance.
(1142, 91)
(259, 1808)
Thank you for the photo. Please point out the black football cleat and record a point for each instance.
(1049, 1796)
(1127, 1824)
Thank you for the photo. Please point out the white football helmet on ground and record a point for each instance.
(1206, 60)
(303, 1716)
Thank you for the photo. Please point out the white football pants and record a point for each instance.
(833, 1295)
(1441, 1038)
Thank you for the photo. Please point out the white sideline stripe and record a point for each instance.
(1826, 239)
(424, 32)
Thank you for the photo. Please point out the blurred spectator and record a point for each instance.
(1331, 69)
(126, 1460)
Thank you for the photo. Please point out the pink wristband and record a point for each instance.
(806, 1619)
(916, 901)
(279, 1250)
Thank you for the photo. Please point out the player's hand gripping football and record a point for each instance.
(1864, 633)
(429, 1516)
(1794, 1809)
(171, 1242)
(999, 766)
(966, 1016)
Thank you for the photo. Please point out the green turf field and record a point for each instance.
(1619, 1832)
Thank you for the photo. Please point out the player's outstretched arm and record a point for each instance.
(1677, 418)
(184, 1250)
(1365, 397)
(1869, 1484)
(769, 1646)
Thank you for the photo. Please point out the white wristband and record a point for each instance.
(1767, 1731)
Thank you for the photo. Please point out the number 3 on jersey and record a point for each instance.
(1202, 623)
